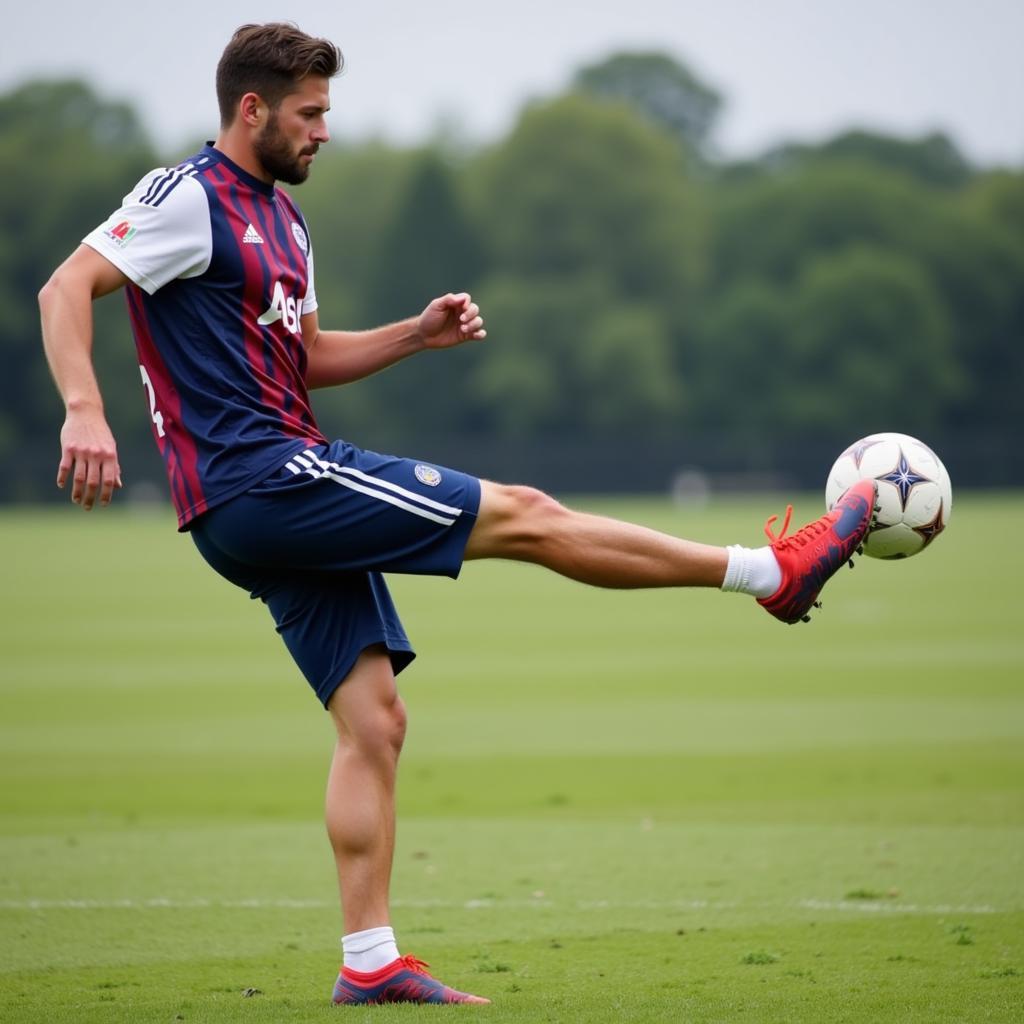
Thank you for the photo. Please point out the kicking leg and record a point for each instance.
(526, 525)
(786, 576)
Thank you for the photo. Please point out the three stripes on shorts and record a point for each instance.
(312, 465)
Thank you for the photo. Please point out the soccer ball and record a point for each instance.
(915, 496)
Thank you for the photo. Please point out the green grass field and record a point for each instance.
(639, 807)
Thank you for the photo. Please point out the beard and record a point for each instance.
(275, 153)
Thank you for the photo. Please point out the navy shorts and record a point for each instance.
(312, 540)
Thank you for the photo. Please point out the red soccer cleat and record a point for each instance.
(811, 556)
(404, 980)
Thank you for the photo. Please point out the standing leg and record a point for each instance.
(360, 807)
(360, 810)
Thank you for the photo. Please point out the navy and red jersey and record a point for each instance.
(221, 272)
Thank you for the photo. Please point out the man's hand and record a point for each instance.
(89, 457)
(451, 320)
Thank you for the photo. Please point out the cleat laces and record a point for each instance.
(811, 556)
(798, 539)
(415, 965)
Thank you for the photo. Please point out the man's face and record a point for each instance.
(294, 131)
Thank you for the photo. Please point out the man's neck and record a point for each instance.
(239, 152)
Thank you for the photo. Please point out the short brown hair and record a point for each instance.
(270, 60)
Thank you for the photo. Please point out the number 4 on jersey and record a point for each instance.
(281, 308)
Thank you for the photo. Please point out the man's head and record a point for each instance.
(275, 79)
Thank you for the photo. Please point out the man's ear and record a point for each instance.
(252, 110)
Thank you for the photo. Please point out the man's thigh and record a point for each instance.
(326, 619)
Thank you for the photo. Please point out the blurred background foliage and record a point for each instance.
(650, 306)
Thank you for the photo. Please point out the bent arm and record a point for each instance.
(88, 451)
(340, 357)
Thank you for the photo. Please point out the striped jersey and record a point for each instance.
(221, 270)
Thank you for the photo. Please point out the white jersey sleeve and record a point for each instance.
(161, 232)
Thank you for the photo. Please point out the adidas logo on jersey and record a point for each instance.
(251, 236)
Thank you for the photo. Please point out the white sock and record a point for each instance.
(369, 950)
(752, 571)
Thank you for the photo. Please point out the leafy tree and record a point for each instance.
(741, 368)
(579, 184)
(772, 227)
(397, 236)
(348, 201)
(995, 202)
(571, 358)
(978, 264)
(626, 370)
(868, 281)
(932, 160)
(427, 246)
(661, 88)
(778, 227)
(517, 384)
(871, 344)
(997, 198)
(84, 153)
(596, 227)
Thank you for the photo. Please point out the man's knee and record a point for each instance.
(368, 713)
(513, 521)
(376, 736)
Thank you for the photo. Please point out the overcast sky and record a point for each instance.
(789, 69)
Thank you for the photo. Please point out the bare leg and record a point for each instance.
(360, 806)
(527, 525)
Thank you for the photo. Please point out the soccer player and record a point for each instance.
(217, 264)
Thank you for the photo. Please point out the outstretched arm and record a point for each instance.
(340, 357)
(88, 450)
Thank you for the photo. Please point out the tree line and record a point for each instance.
(649, 304)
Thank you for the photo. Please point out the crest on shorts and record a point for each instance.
(427, 475)
(300, 237)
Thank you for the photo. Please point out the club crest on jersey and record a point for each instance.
(427, 475)
(300, 237)
(122, 233)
